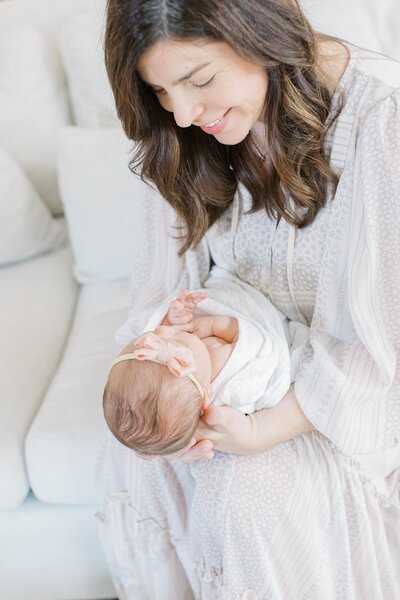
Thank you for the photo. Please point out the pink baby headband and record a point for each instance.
(178, 360)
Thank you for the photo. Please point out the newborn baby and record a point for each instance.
(159, 385)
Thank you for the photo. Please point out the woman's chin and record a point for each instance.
(230, 138)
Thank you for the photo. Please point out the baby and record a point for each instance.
(159, 385)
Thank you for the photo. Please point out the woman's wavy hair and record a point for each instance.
(194, 172)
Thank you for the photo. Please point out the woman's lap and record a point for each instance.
(287, 523)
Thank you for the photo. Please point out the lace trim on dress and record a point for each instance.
(128, 539)
(212, 586)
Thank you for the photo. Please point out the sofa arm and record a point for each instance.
(36, 306)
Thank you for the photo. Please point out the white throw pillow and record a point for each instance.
(82, 54)
(26, 225)
(103, 202)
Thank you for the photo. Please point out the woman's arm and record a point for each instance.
(280, 423)
(227, 429)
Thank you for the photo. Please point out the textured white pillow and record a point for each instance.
(82, 54)
(26, 225)
(103, 202)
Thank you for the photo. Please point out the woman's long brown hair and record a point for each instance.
(196, 174)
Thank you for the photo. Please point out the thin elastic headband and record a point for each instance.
(131, 356)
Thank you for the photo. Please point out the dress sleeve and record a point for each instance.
(157, 271)
(348, 384)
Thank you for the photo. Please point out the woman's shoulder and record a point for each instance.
(369, 84)
(380, 69)
(369, 80)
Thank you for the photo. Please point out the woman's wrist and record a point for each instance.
(278, 424)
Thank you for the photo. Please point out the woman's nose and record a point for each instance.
(186, 111)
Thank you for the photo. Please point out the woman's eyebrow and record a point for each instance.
(185, 77)
(192, 72)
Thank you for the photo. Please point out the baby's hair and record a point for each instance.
(150, 410)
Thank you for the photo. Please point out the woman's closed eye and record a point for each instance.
(160, 91)
(203, 84)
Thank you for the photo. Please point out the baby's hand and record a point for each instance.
(181, 309)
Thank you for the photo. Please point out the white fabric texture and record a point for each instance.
(33, 105)
(27, 226)
(303, 520)
(68, 431)
(259, 371)
(82, 54)
(104, 203)
(32, 342)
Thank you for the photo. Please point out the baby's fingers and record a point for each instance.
(195, 298)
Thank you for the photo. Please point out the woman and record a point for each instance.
(279, 150)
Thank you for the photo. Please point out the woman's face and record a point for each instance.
(206, 84)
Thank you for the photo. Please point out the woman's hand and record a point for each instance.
(222, 428)
(194, 450)
(228, 429)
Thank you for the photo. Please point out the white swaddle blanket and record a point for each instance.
(265, 358)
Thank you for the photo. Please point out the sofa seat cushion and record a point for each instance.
(67, 434)
(52, 551)
(37, 301)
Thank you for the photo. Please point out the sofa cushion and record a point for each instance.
(26, 225)
(37, 301)
(82, 54)
(33, 105)
(103, 202)
(58, 551)
(66, 436)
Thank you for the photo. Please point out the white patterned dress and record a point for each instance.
(308, 519)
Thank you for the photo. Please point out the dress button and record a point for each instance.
(249, 595)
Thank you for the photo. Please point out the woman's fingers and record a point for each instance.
(200, 451)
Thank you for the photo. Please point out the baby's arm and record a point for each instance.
(220, 326)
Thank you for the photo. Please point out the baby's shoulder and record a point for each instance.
(220, 351)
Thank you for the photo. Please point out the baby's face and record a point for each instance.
(188, 340)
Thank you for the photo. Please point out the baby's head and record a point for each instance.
(156, 391)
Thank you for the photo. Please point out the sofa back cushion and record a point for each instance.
(33, 105)
(104, 202)
(82, 54)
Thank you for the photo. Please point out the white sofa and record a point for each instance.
(71, 218)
